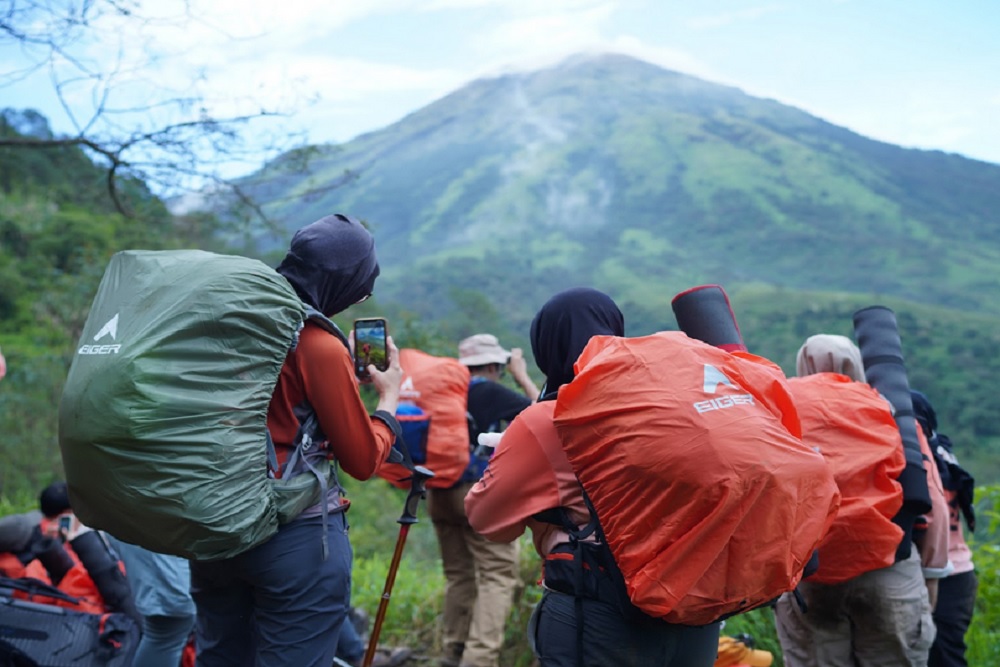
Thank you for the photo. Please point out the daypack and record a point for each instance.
(852, 426)
(433, 416)
(955, 478)
(34, 630)
(710, 503)
(162, 423)
(415, 426)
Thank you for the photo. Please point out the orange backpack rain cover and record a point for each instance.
(690, 454)
(853, 428)
(440, 387)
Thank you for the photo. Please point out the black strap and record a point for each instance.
(398, 452)
(800, 600)
(329, 325)
(577, 536)
(33, 587)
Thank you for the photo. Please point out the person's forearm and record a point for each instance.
(55, 560)
(527, 386)
(102, 566)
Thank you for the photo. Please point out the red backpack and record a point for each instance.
(852, 426)
(709, 502)
(433, 399)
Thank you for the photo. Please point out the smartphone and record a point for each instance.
(371, 345)
(65, 523)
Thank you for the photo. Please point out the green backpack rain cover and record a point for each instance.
(162, 423)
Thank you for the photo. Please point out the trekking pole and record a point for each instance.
(418, 490)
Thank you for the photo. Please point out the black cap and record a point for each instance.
(54, 499)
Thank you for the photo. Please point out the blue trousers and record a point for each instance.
(163, 640)
(278, 604)
(349, 645)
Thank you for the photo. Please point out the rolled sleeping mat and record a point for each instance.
(704, 313)
(878, 339)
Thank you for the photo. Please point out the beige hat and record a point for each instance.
(482, 349)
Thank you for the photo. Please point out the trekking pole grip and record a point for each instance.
(418, 490)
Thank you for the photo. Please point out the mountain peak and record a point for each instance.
(607, 170)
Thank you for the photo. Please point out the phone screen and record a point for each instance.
(370, 345)
(65, 523)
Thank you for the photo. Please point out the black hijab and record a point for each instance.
(562, 328)
(331, 263)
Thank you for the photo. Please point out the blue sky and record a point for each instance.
(918, 73)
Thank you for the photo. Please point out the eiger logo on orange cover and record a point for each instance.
(713, 378)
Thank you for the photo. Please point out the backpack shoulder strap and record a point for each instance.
(328, 324)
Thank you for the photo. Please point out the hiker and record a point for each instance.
(956, 599)
(283, 602)
(480, 575)
(161, 585)
(530, 474)
(54, 547)
(878, 616)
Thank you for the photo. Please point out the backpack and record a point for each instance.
(852, 426)
(433, 417)
(710, 503)
(954, 477)
(39, 626)
(162, 422)
(415, 426)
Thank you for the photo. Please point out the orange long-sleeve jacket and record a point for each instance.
(320, 373)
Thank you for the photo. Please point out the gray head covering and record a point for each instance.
(829, 353)
(16, 529)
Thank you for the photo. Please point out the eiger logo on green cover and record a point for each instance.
(110, 329)
(713, 378)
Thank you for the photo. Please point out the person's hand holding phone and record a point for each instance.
(387, 382)
(517, 365)
(66, 527)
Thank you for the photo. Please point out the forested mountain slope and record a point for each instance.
(613, 172)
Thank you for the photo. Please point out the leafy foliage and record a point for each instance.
(57, 232)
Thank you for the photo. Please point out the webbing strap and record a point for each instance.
(323, 506)
(301, 452)
(576, 537)
(272, 454)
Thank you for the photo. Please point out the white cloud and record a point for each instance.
(540, 39)
(678, 60)
(719, 20)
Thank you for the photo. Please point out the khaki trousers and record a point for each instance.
(878, 619)
(480, 577)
